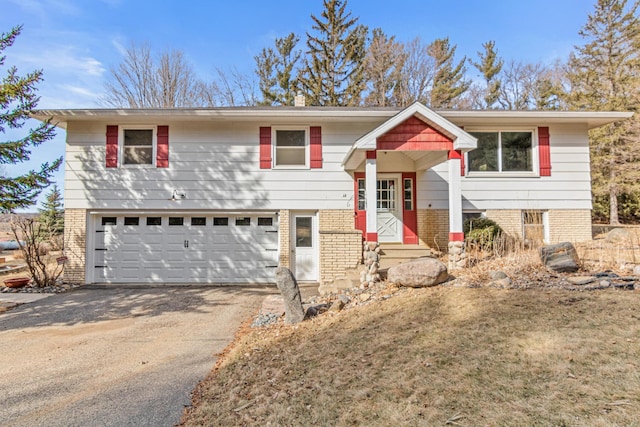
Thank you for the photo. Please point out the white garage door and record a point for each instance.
(186, 249)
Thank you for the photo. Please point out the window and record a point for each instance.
(220, 221)
(138, 146)
(131, 220)
(243, 221)
(154, 220)
(198, 221)
(408, 194)
(291, 147)
(362, 195)
(304, 237)
(176, 220)
(265, 221)
(108, 220)
(533, 227)
(502, 151)
(386, 194)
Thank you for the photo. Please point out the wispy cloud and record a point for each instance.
(62, 59)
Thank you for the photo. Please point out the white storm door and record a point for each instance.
(304, 247)
(389, 211)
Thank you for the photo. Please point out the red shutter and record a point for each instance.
(315, 138)
(544, 151)
(265, 148)
(112, 146)
(162, 151)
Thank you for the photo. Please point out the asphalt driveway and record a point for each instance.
(116, 356)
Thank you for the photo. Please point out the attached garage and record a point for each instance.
(185, 248)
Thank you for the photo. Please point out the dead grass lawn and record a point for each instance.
(440, 355)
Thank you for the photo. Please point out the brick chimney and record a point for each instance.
(299, 100)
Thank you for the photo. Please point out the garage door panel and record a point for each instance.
(201, 253)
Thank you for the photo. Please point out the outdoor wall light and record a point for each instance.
(178, 195)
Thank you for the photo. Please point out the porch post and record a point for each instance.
(371, 185)
(456, 234)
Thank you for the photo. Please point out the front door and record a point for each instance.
(304, 247)
(389, 217)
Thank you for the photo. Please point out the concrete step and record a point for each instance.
(394, 254)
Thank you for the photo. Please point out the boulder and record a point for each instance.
(288, 286)
(618, 235)
(561, 257)
(581, 280)
(497, 275)
(418, 273)
(636, 270)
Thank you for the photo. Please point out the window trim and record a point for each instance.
(535, 161)
(154, 145)
(307, 146)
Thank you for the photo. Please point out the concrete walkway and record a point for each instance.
(115, 356)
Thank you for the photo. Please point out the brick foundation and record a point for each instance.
(565, 225)
(340, 244)
(75, 245)
(570, 225)
(284, 227)
(433, 228)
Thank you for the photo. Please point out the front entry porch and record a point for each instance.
(388, 164)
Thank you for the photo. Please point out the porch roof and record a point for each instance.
(461, 139)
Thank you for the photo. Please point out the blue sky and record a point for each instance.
(75, 42)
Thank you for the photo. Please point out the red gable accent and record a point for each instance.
(544, 151)
(265, 148)
(162, 152)
(414, 135)
(112, 146)
(315, 142)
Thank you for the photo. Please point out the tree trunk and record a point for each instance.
(613, 207)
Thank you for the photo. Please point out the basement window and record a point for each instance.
(534, 229)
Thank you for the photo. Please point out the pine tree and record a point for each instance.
(449, 81)
(276, 71)
(17, 100)
(333, 71)
(490, 65)
(604, 75)
(52, 213)
(383, 67)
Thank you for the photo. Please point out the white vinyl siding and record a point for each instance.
(568, 187)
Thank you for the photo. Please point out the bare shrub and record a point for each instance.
(30, 235)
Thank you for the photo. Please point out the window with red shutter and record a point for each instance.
(315, 143)
(544, 151)
(162, 150)
(265, 148)
(112, 146)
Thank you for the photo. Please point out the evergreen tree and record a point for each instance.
(490, 65)
(333, 71)
(52, 213)
(604, 74)
(276, 71)
(17, 100)
(449, 82)
(383, 67)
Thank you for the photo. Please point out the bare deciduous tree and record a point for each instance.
(141, 81)
(383, 69)
(417, 74)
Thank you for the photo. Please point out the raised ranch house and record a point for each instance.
(224, 195)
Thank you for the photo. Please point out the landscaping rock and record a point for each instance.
(497, 275)
(418, 273)
(337, 305)
(618, 235)
(581, 280)
(503, 283)
(561, 257)
(288, 286)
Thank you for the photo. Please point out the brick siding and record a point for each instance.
(75, 245)
(570, 225)
(340, 244)
(433, 228)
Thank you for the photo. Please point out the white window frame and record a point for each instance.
(535, 162)
(274, 147)
(546, 236)
(154, 145)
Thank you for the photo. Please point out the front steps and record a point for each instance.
(397, 253)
